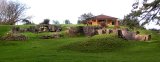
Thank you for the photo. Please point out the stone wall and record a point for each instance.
(37, 28)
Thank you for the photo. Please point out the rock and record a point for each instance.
(80, 29)
(58, 28)
(51, 28)
(115, 31)
(128, 35)
(110, 31)
(142, 37)
(48, 28)
(56, 35)
(148, 37)
(133, 35)
(89, 30)
(32, 29)
(23, 30)
(73, 31)
(14, 37)
(54, 28)
(42, 27)
(101, 31)
(139, 38)
(45, 29)
(107, 31)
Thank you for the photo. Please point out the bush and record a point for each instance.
(14, 37)
(46, 21)
(98, 43)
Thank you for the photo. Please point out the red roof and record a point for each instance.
(102, 17)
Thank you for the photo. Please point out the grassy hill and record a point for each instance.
(99, 48)
(4, 29)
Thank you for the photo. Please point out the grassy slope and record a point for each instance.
(41, 50)
(4, 29)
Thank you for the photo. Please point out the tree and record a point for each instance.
(79, 22)
(26, 22)
(85, 17)
(131, 21)
(46, 21)
(11, 12)
(67, 21)
(55, 22)
(149, 11)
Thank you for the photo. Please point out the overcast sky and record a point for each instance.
(72, 9)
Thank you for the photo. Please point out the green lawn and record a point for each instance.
(4, 29)
(49, 50)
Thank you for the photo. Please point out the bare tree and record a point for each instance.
(11, 12)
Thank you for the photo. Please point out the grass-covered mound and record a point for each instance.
(98, 43)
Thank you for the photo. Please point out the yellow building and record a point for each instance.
(108, 20)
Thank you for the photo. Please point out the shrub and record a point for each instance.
(14, 37)
(46, 21)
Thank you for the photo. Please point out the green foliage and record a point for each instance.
(46, 21)
(148, 11)
(131, 20)
(85, 17)
(26, 22)
(79, 22)
(55, 22)
(67, 22)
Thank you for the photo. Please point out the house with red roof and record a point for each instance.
(107, 20)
